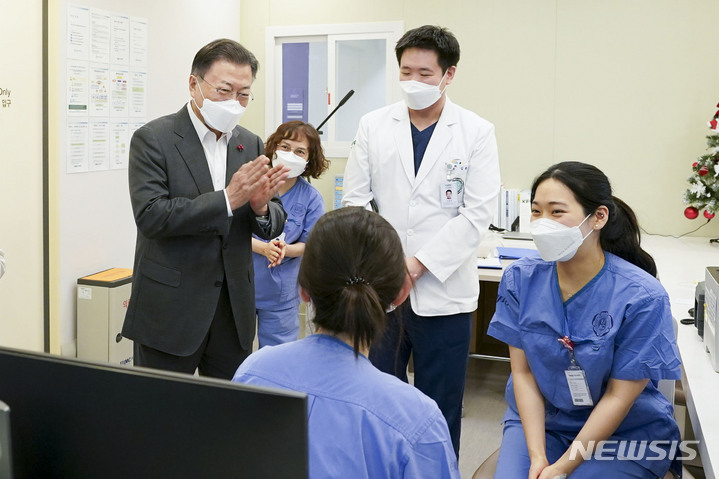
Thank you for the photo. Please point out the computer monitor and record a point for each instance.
(77, 419)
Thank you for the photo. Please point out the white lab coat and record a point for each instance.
(445, 240)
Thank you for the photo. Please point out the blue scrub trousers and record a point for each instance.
(440, 348)
(278, 326)
(513, 462)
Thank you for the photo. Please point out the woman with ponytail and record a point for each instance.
(362, 423)
(590, 332)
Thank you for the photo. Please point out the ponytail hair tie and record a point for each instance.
(356, 280)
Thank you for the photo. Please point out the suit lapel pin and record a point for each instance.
(240, 147)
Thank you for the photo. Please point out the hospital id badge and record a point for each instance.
(578, 387)
(449, 194)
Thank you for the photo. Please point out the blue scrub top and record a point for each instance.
(276, 288)
(420, 141)
(622, 328)
(362, 422)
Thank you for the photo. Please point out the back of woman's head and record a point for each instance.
(352, 269)
(620, 235)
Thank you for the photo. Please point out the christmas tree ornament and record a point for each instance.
(702, 193)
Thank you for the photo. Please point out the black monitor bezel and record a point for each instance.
(68, 413)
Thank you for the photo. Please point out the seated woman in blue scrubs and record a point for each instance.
(297, 145)
(363, 423)
(590, 333)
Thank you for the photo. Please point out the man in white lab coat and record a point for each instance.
(405, 158)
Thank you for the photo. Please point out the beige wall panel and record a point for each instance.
(635, 87)
(21, 289)
(627, 86)
(505, 74)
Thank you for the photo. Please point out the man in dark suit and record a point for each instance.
(200, 186)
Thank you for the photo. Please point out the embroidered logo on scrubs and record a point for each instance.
(602, 323)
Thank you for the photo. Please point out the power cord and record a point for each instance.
(716, 240)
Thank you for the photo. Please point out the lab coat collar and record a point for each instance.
(440, 138)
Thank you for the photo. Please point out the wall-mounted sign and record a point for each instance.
(5, 100)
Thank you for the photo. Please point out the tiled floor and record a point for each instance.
(484, 407)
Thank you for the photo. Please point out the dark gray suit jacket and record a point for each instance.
(186, 243)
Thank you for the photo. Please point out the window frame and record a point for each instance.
(277, 35)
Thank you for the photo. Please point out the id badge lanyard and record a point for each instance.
(576, 377)
(451, 191)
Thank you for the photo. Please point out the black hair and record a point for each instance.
(621, 235)
(352, 269)
(223, 49)
(430, 37)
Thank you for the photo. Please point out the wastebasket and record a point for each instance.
(102, 300)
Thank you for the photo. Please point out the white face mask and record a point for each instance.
(418, 95)
(222, 116)
(297, 164)
(555, 241)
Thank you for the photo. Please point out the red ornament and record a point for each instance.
(691, 212)
(703, 171)
(694, 165)
(708, 215)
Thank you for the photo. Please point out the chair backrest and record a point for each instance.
(5, 449)
(667, 386)
(487, 469)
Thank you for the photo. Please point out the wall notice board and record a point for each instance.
(91, 225)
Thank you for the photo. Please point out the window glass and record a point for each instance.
(312, 67)
(361, 66)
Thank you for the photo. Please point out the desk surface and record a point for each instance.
(488, 245)
(681, 263)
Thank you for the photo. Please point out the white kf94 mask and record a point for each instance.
(418, 95)
(555, 241)
(297, 164)
(222, 116)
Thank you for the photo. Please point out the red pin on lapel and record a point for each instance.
(240, 147)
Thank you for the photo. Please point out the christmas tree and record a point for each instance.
(703, 190)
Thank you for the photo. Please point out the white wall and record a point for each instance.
(21, 289)
(627, 86)
(92, 227)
